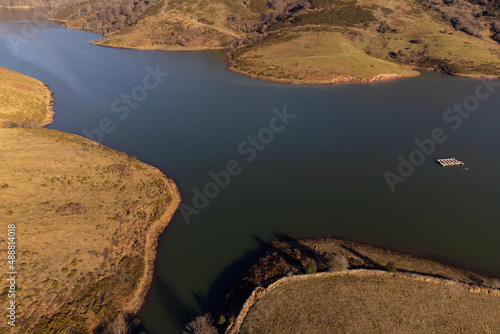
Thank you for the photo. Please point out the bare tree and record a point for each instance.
(201, 325)
(118, 326)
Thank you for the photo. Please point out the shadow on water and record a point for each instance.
(230, 290)
(219, 288)
(223, 297)
(180, 312)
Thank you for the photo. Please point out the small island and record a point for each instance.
(85, 219)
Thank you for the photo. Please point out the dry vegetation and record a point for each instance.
(312, 41)
(312, 311)
(103, 16)
(360, 302)
(24, 101)
(318, 46)
(87, 219)
(83, 214)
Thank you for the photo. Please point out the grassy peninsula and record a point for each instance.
(331, 285)
(24, 101)
(310, 41)
(87, 219)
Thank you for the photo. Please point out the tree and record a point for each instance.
(201, 325)
(118, 326)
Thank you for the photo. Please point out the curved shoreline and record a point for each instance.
(259, 292)
(286, 260)
(153, 232)
(343, 79)
(151, 245)
(335, 81)
(51, 114)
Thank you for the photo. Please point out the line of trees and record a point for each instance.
(105, 16)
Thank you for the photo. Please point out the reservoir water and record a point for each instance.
(319, 172)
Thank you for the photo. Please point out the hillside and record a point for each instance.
(81, 220)
(309, 41)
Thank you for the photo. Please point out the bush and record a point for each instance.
(118, 326)
(222, 320)
(390, 267)
(495, 283)
(383, 27)
(5, 186)
(201, 325)
(338, 263)
(311, 267)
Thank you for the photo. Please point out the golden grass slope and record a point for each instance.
(417, 38)
(333, 41)
(372, 302)
(87, 220)
(24, 101)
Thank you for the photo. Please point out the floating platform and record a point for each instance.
(449, 162)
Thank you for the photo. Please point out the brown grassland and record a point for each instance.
(352, 51)
(87, 219)
(24, 101)
(331, 41)
(372, 302)
(358, 288)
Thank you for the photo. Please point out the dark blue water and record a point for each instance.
(323, 174)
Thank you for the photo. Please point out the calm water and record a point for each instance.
(322, 175)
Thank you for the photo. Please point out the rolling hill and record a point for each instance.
(308, 41)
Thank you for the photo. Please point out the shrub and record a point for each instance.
(495, 283)
(118, 326)
(390, 267)
(311, 267)
(5, 186)
(383, 27)
(338, 263)
(222, 320)
(201, 325)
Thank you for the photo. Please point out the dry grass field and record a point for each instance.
(361, 302)
(315, 50)
(24, 101)
(358, 288)
(87, 220)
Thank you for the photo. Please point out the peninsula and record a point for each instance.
(84, 220)
(308, 41)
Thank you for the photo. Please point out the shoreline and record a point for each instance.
(151, 246)
(47, 101)
(340, 80)
(51, 114)
(287, 258)
(153, 233)
(259, 292)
